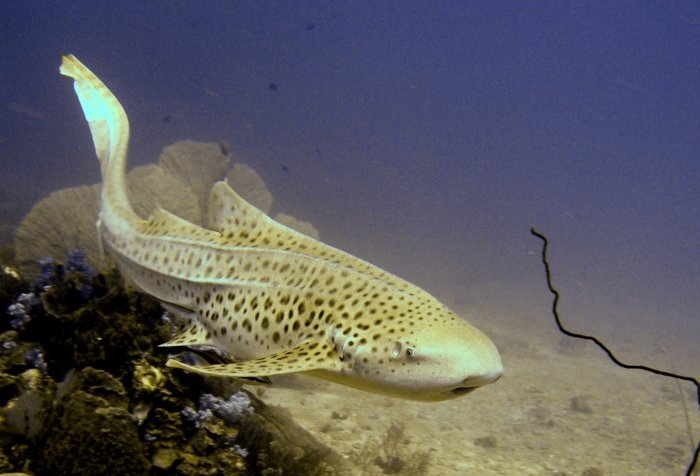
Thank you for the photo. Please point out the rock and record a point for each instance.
(164, 458)
(277, 445)
(25, 413)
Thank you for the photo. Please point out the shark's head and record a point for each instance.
(443, 358)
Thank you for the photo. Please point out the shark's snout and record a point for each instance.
(483, 379)
(472, 383)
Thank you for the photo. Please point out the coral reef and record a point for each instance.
(63, 221)
(301, 226)
(249, 185)
(84, 390)
(150, 186)
(7, 253)
(197, 165)
(11, 286)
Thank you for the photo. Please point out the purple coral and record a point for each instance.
(230, 411)
(21, 310)
(197, 418)
(236, 408)
(75, 264)
(35, 357)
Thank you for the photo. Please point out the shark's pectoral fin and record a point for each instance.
(193, 334)
(307, 356)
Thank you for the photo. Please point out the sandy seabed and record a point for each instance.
(562, 408)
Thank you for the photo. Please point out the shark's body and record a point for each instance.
(273, 299)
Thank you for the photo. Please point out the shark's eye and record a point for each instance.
(398, 349)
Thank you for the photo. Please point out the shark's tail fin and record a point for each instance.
(109, 127)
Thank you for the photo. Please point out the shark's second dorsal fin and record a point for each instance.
(307, 356)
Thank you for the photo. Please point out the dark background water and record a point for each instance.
(426, 137)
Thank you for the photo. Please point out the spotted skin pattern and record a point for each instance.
(274, 300)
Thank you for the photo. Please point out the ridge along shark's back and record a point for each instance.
(275, 300)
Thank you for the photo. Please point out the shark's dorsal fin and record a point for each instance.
(313, 354)
(243, 224)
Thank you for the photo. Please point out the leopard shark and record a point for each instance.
(274, 301)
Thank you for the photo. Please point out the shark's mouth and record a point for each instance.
(462, 390)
